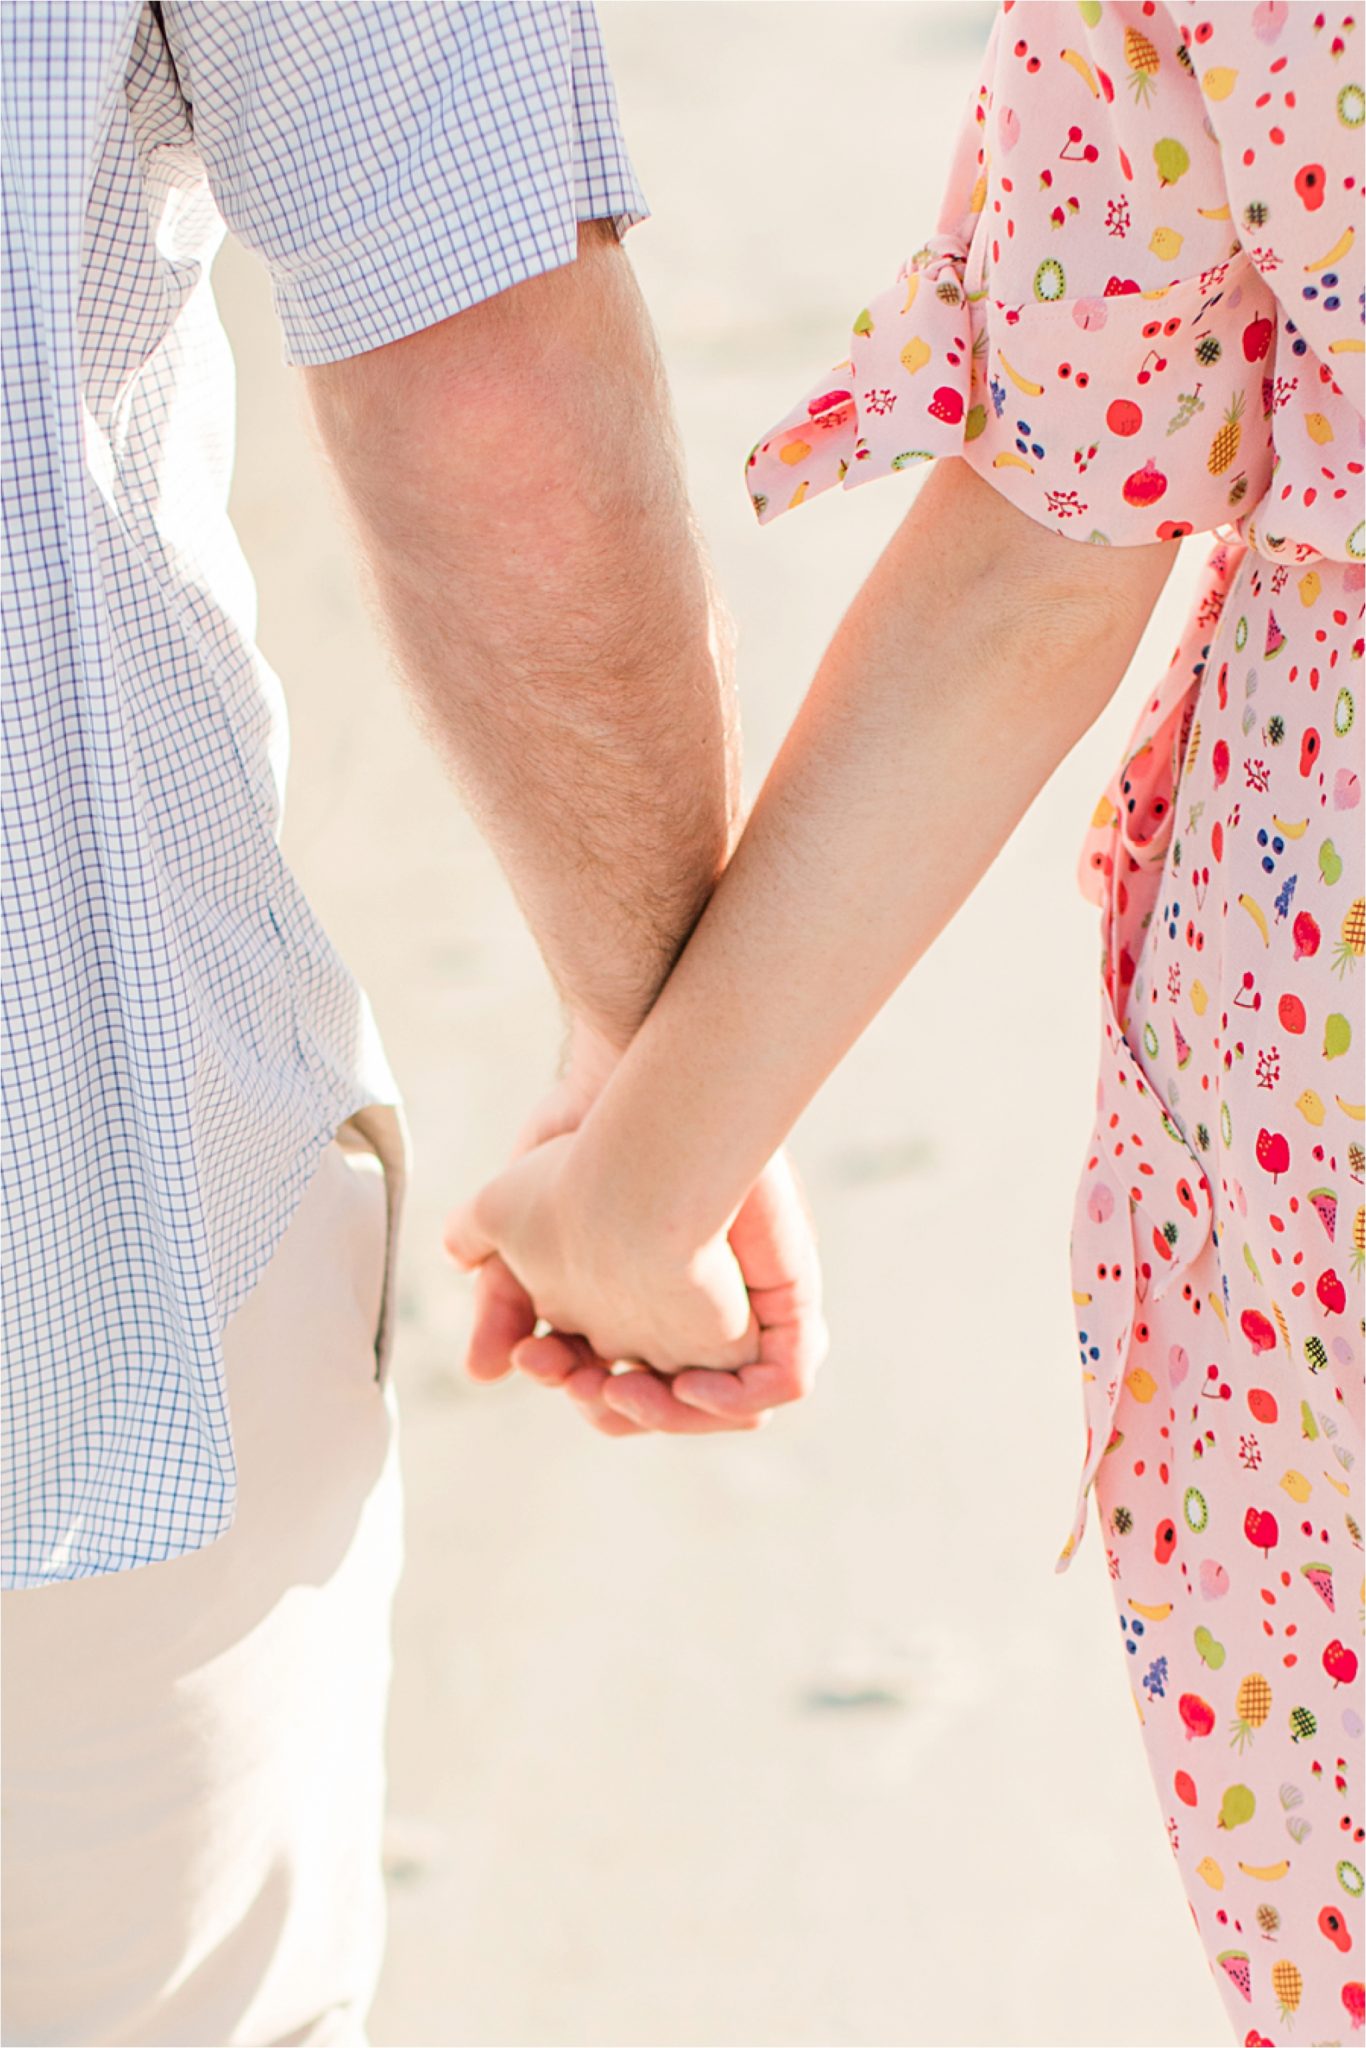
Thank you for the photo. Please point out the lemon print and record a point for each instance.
(1166, 243)
(915, 355)
(1219, 82)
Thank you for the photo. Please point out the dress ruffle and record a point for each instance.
(1071, 408)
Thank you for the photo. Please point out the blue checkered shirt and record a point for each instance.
(180, 1038)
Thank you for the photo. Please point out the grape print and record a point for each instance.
(1139, 317)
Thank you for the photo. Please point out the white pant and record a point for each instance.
(193, 1752)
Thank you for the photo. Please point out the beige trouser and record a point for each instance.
(193, 1752)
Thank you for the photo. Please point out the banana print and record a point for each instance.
(1139, 317)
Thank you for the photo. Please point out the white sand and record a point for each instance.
(630, 1807)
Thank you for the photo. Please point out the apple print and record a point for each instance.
(1100, 1202)
(1257, 338)
(1269, 18)
(1238, 1806)
(1261, 1530)
(1008, 128)
(1331, 1292)
(947, 405)
(1346, 790)
(1339, 1662)
(1337, 1036)
(1145, 486)
(1090, 315)
(1273, 1153)
(1213, 1580)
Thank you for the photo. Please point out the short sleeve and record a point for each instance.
(1087, 326)
(395, 161)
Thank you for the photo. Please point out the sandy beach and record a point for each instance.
(795, 1739)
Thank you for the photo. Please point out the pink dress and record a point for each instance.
(1140, 318)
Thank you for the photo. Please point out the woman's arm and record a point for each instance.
(973, 658)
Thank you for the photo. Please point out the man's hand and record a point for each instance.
(611, 1299)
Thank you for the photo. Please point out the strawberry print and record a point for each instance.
(1140, 317)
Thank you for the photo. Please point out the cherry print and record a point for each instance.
(1221, 1151)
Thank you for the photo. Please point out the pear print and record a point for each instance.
(1137, 318)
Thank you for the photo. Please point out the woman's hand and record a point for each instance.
(599, 1276)
(750, 1301)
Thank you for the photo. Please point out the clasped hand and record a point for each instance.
(642, 1336)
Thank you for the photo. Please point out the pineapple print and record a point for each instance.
(1352, 944)
(1144, 63)
(1316, 1354)
(1208, 350)
(1303, 1726)
(1288, 1985)
(1252, 1706)
(1224, 447)
(1268, 1919)
(1359, 1241)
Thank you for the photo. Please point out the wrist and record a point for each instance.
(588, 1061)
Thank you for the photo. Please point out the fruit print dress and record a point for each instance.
(1141, 318)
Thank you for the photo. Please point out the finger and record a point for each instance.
(585, 1389)
(504, 1316)
(792, 1355)
(465, 1237)
(549, 1360)
(649, 1402)
(775, 1245)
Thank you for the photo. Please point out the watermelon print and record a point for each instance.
(1320, 1577)
(1139, 317)
(1233, 1962)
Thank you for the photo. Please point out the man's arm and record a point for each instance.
(515, 479)
(514, 476)
(977, 653)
